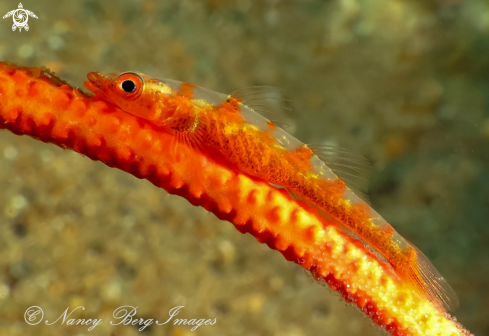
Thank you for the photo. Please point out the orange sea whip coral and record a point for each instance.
(233, 128)
(36, 103)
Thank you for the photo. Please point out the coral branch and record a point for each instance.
(35, 103)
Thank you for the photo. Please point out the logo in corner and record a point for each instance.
(20, 16)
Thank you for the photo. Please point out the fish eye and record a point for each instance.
(128, 86)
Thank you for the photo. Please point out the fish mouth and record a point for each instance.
(98, 83)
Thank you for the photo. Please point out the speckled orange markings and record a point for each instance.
(34, 103)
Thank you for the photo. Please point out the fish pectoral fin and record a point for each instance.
(351, 168)
(189, 131)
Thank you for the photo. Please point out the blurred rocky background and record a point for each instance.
(402, 82)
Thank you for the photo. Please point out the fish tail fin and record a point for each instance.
(422, 274)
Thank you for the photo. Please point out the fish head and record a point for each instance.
(133, 92)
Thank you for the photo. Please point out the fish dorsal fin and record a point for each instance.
(351, 168)
(269, 101)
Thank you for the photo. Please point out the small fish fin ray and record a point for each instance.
(269, 101)
(193, 136)
(9, 14)
(351, 168)
(193, 140)
(423, 275)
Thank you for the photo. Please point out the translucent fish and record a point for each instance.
(239, 129)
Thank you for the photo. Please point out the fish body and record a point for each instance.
(230, 126)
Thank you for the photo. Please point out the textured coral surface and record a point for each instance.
(404, 84)
(31, 104)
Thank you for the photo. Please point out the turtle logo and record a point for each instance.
(20, 16)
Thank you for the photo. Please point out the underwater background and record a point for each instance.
(403, 83)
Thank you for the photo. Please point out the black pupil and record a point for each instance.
(128, 86)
